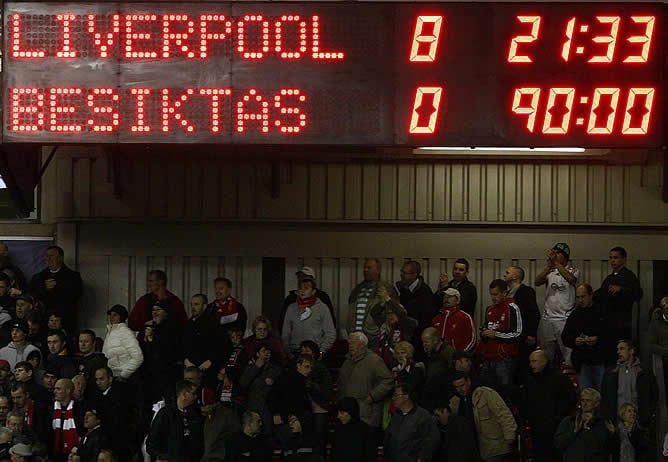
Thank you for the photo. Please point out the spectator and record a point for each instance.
(397, 327)
(5, 375)
(202, 347)
(65, 434)
(459, 281)
(297, 440)
(114, 401)
(58, 287)
(633, 440)
(658, 335)
(21, 452)
(7, 302)
(363, 297)
(559, 279)
(365, 377)
(142, 311)
(262, 333)
(437, 367)
(227, 310)
(457, 440)
(161, 354)
(120, 345)
(20, 431)
(5, 407)
(24, 373)
(352, 440)
(5, 443)
(306, 272)
(629, 382)
(34, 412)
(308, 319)
(220, 423)
(617, 294)
(13, 272)
(19, 348)
(550, 397)
(319, 391)
(257, 380)
(177, 430)
(415, 295)
(455, 326)
(89, 360)
(93, 440)
(586, 436)
(501, 333)
(289, 396)
(59, 358)
(249, 445)
(412, 434)
(486, 412)
(525, 297)
(584, 334)
(228, 389)
(405, 370)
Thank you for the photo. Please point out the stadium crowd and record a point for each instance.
(419, 377)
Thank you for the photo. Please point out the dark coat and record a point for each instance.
(593, 445)
(646, 387)
(160, 360)
(288, 395)
(618, 307)
(64, 296)
(165, 439)
(458, 442)
(353, 442)
(87, 365)
(244, 448)
(201, 341)
(418, 304)
(525, 297)
(218, 429)
(92, 443)
(550, 397)
(410, 437)
(591, 322)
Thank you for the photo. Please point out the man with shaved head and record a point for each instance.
(550, 396)
(438, 356)
(64, 433)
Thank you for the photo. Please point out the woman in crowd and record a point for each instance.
(262, 333)
(256, 381)
(120, 345)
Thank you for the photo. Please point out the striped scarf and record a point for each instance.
(65, 435)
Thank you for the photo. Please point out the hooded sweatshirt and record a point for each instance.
(351, 441)
(13, 355)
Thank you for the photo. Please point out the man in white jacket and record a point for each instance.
(120, 345)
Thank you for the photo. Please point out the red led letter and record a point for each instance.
(170, 109)
(111, 98)
(141, 125)
(179, 38)
(431, 38)
(33, 113)
(566, 118)
(215, 94)
(648, 93)
(131, 36)
(435, 94)
(296, 54)
(531, 108)
(610, 39)
(56, 109)
(241, 37)
(104, 45)
(610, 121)
(66, 51)
(243, 117)
(294, 112)
(205, 36)
(17, 52)
(566, 48)
(316, 52)
(513, 57)
(645, 40)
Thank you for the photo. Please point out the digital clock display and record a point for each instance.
(419, 74)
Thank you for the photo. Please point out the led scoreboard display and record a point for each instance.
(419, 74)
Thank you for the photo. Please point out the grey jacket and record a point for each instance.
(318, 326)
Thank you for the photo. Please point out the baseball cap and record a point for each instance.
(4, 365)
(20, 324)
(452, 293)
(563, 248)
(307, 271)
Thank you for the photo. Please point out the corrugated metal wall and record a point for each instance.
(191, 187)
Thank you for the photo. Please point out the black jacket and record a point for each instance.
(525, 297)
(418, 304)
(288, 395)
(591, 322)
(92, 443)
(201, 341)
(244, 448)
(646, 387)
(64, 296)
(618, 306)
(166, 438)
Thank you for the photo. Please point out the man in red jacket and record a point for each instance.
(501, 333)
(455, 326)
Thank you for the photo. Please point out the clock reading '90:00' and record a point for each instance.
(484, 74)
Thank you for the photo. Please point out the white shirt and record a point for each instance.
(559, 294)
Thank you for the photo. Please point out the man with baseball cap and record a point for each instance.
(455, 325)
(306, 273)
(19, 348)
(559, 278)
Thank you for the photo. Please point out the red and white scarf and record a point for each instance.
(65, 435)
(227, 310)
